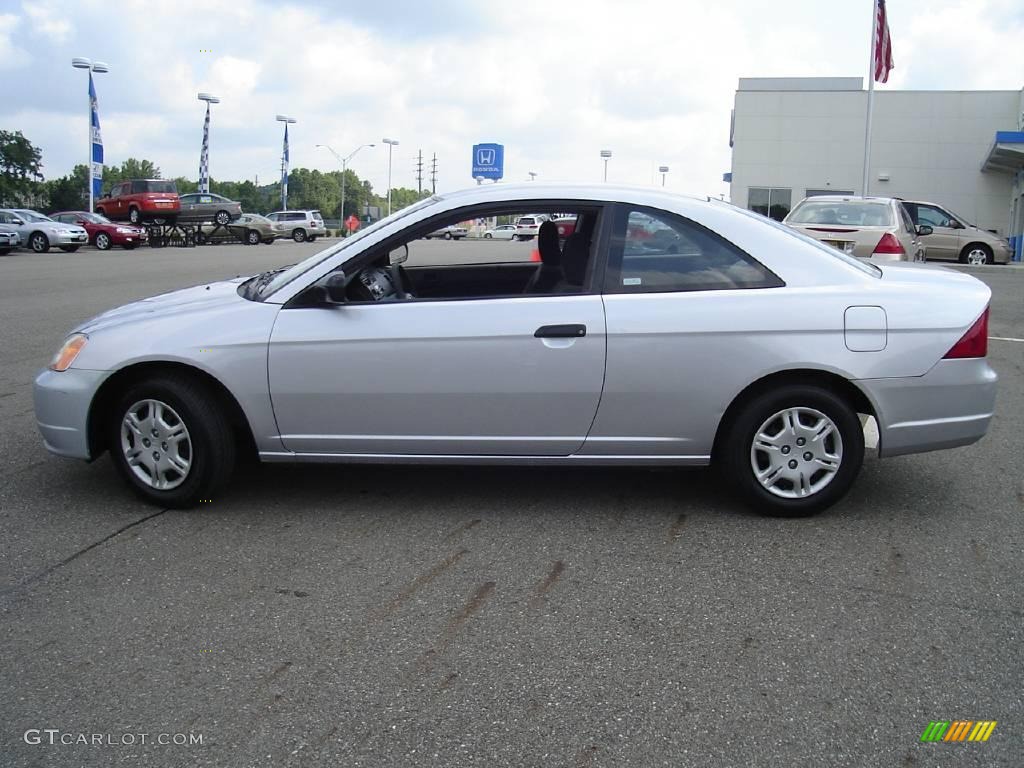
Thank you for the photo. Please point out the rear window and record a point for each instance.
(850, 214)
(526, 222)
(316, 215)
(164, 187)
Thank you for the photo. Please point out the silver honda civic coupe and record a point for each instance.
(665, 330)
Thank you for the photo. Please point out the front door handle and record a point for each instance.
(560, 331)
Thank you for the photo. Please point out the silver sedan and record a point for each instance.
(666, 331)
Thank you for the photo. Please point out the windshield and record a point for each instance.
(285, 277)
(842, 212)
(33, 216)
(95, 218)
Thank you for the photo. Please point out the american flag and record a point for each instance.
(883, 44)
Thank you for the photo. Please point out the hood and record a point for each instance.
(175, 303)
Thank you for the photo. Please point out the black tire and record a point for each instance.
(734, 455)
(312, 238)
(447, 235)
(980, 249)
(222, 218)
(299, 235)
(487, 235)
(252, 237)
(38, 242)
(135, 216)
(212, 443)
(103, 241)
(70, 248)
(269, 241)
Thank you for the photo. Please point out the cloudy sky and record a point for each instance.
(555, 82)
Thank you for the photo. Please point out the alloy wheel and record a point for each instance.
(156, 444)
(977, 257)
(796, 452)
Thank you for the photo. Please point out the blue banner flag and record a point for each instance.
(284, 172)
(96, 168)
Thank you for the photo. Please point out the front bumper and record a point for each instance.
(78, 238)
(118, 238)
(949, 406)
(62, 402)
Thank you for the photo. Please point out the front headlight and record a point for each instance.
(125, 231)
(66, 354)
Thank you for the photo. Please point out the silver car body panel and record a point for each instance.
(466, 381)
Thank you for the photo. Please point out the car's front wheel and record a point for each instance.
(103, 241)
(171, 441)
(976, 254)
(222, 218)
(253, 237)
(793, 451)
(39, 242)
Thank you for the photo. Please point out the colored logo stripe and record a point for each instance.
(958, 730)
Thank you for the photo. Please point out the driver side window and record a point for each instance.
(531, 249)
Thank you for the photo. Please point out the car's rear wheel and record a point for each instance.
(447, 235)
(39, 242)
(312, 238)
(103, 241)
(253, 237)
(170, 441)
(134, 215)
(222, 218)
(299, 235)
(976, 254)
(793, 451)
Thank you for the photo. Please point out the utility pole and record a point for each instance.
(419, 171)
(433, 175)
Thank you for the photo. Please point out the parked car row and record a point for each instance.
(70, 230)
(892, 229)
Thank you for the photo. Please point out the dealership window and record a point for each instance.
(770, 201)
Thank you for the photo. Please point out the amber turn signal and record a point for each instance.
(66, 354)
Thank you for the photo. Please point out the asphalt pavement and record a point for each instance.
(370, 616)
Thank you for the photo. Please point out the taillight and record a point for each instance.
(890, 245)
(974, 343)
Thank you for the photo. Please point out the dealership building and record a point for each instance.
(797, 137)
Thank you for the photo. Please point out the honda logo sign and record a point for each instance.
(488, 161)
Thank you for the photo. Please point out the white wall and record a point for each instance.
(931, 143)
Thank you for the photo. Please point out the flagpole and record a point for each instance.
(871, 99)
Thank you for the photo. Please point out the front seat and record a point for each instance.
(574, 263)
(549, 273)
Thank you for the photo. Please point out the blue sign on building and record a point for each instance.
(488, 161)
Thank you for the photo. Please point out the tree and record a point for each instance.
(69, 193)
(20, 169)
(402, 197)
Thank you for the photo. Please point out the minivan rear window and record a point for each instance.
(165, 187)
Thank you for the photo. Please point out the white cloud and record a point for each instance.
(11, 56)
(46, 20)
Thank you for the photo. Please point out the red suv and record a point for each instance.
(141, 200)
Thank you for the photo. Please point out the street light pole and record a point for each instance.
(344, 170)
(606, 155)
(663, 169)
(98, 67)
(392, 143)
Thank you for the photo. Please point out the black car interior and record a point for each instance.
(562, 269)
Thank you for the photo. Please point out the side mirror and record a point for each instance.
(17, 221)
(399, 256)
(924, 229)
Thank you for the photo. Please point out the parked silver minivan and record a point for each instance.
(954, 239)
